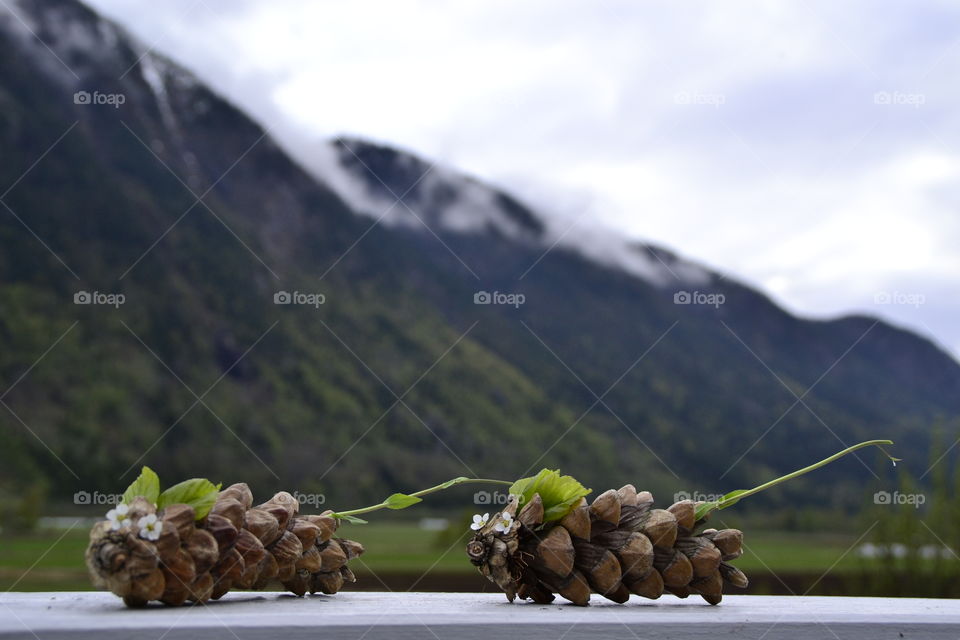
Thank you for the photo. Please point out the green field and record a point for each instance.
(54, 560)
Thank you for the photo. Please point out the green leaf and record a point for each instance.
(560, 494)
(199, 493)
(401, 501)
(350, 519)
(147, 485)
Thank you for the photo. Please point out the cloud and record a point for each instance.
(808, 148)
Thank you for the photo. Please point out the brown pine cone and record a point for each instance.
(172, 557)
(615, 546)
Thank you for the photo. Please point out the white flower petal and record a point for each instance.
(122, 509)
(150, 530)
(117, 520)
(147, 520)
(479, 521)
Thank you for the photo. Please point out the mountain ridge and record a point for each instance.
(307, 398)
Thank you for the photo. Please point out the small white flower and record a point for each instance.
(150, 527)
(118, 516)
(504, 524)
(479, 522)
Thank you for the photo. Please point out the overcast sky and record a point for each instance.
(809, 148)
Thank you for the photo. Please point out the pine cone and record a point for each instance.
(615, 546)
(236, 546)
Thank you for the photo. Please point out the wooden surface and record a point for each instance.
(370, 616)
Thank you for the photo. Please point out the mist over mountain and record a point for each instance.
(460, 332)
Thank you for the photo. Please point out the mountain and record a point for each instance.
(125, 176)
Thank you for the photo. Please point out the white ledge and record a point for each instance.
(352, 615)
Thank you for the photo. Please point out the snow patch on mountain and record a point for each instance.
(473, 208)
(436, 198)
(61, 35)
(433, 196)
(152, 76)
(609, 248)
(325, 165)
(22, 26)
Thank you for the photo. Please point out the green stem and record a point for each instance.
(735, 496)
(388, 504)
(402, 501)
